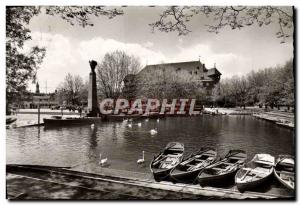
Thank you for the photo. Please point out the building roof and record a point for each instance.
(213, 71)
(189, 66)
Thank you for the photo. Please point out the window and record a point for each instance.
(198, 67)
(196, 72)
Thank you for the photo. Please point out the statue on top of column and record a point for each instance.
(93, 65)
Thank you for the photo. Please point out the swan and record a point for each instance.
(125, 120)
(103, 162)
(146, 120)
(153, 131)
(157, 120)
(139, 124)
(129, 125)
(92, 126)
(141, 161)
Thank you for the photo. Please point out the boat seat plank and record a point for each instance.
(159, 160)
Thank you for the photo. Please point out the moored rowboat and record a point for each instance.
(285, 171)
(189, 168)
(223, 171)
(68, 121)
(255, 173)
(165, 161)
(10, 120)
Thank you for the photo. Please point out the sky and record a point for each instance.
(69, 48)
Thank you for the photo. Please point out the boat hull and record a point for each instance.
(184, 176)
(160, 175)
(217, 180)
(283, 182)
(277, 169)
(10, 120)
(70, 122)
(254, 184)
(163, 173)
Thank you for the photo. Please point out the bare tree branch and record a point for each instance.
(175, 19)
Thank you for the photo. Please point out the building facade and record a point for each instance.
(192, 72)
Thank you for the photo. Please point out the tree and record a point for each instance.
(72, 90)
(169, 85)
(21, 65)
(176, 18)
(269, 86)
(111, 72)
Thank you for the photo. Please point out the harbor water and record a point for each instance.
(123, 146)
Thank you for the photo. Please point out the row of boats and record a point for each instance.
(207, 168)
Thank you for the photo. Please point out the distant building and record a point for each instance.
(37, 88)
(33, 100)
(192, 71)
(185, 72)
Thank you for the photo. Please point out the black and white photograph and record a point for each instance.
(150, 102)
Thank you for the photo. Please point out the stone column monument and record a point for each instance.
(93, 109)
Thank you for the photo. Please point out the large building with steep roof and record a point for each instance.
(181, 72)
(191, 71)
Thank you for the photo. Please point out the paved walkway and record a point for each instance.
(53, 183)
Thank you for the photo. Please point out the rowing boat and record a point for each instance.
(284, 171)
(189, 168)
(166, 160)
(223, 171)
(256, 172)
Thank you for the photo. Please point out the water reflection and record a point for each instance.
(71, 146)
(93, 144)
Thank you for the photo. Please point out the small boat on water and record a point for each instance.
(55, 121)
(223, 171)
(10, 120)
(190, 167)
(255, 173)
(284, 171)
(166, 160)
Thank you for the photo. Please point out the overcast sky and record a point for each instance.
(69, 48)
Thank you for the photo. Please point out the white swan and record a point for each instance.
(153, 131)
(146, 120)
(92, 126)
(141, 161)
(125, 120)
(157, 120)
(129, 125)
(139, 124)
(103, 162)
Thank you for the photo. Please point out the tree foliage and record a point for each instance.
(111, 72)
(269, 86)
(21, 64)
(72, 90)
(167, 85)
(176, 18)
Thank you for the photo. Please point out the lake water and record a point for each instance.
(123, 146)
